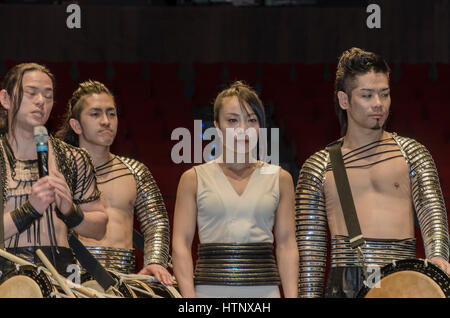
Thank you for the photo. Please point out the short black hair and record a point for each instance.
(353, 62)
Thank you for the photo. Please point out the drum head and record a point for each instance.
(410, 279)
(94, 285)
(26, 282)
(406, 284)
(20, 286)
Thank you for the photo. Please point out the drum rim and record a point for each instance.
(442, 279)
(31, 271)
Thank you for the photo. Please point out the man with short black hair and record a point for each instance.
(392, 180)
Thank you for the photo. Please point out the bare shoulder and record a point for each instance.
(286, 183)
(189, 175)
(285, 177)
(188, 180)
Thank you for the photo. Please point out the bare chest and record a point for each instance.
(384, 177)
(118, 190)
(382, 198)
(390, 178)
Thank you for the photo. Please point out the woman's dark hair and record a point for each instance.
(244, 93)
(75, 107)
(354, 62)
(13, 85)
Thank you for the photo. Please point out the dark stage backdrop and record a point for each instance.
(411, 31)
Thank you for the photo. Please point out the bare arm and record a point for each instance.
(183, 232)
(95, 218)
(42, 194)
(94, 221)
(79, 188)
(9, 226)
(54, 189)
(286, 250)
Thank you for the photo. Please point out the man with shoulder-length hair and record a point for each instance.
(392, 180)
(39, 212)
(127, 186)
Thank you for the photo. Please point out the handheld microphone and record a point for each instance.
(41, 139)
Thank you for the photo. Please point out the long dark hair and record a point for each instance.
(13, 85)
(75, 107)
(354, 62)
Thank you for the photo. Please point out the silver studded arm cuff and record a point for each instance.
(151, 214)
(427, 198)
(311, 225)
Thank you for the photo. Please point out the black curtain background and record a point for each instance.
(411, 32)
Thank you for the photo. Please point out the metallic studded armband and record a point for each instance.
(427, 198)
(311, 225)
(151, 214)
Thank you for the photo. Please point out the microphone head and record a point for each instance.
(40, 135)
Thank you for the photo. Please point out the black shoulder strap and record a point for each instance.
(345, 195)
(90, 263)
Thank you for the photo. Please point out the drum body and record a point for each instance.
(26, 281)
(410, 278)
